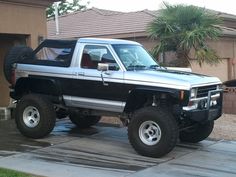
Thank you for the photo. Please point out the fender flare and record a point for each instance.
(146, 90)
(46, 86)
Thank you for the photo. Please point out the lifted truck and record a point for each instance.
(88, 78)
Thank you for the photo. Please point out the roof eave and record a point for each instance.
(44, 3)
(123, 35)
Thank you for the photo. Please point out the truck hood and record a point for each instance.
(169, 78)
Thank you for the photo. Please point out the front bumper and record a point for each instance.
(208, 112)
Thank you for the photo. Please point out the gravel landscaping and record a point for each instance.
(225, 126)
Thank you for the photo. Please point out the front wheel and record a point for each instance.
(197, 133)
(153, 132)
(35, 116)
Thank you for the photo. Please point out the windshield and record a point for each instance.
(134, 57)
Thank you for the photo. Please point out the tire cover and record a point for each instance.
(15, 55)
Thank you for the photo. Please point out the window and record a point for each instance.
(94, 54)
(134, 57)
(54, 54)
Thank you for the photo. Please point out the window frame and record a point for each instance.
(109, 48)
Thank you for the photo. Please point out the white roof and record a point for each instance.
(106, 41)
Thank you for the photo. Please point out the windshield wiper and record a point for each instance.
(136, 67)
(156, 67)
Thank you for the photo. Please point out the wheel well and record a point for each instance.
(142, 98)
(34, 85)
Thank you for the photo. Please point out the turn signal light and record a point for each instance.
(181, 96)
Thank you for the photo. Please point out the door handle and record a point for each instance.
(80, 73)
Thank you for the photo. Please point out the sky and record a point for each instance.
(227, 6)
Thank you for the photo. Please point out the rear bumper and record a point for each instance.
(210, 112)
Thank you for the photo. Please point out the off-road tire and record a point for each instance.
(167, 125)
(197, 133)
(15, 55)
(46, 114)
(82, 121)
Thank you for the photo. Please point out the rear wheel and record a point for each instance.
(35, 116)
(197, 133)
(83, 121)
(153, 132)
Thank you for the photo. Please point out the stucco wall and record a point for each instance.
(220, 70)
(147, 43)
(4, 101)
(23, 19)
(225, 70)
(229, 102)
(17, 19)
(224, 47)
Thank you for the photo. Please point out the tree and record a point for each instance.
(65, 7)
(182, 29)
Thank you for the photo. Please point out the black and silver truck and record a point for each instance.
(88, 78)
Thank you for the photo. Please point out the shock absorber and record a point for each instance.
(163, 100)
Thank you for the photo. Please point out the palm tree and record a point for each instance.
(182, 29)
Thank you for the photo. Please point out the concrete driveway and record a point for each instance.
(104, 151)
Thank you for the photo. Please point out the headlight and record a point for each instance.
(193, 93)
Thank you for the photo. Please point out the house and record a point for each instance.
(132, 26)
(22, 22)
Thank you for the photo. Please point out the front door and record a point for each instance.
(99, 90)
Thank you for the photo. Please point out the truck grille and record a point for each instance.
(203, 91)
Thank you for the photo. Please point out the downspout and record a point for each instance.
(233, 60)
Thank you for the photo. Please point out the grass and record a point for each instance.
(11, 173)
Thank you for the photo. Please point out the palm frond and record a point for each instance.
(207, 55)
(181, 27)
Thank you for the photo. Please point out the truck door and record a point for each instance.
(99, 90)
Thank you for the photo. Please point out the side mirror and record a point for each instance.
(103, 67)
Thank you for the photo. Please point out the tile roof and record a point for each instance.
(228, 31)
(97, 22)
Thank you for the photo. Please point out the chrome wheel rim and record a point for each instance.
(31, 116)
(150, 133)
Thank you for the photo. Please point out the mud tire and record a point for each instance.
(35, 116)
(163, 121)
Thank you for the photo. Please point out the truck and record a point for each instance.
(88, 78)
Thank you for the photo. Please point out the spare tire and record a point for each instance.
(15, 55)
